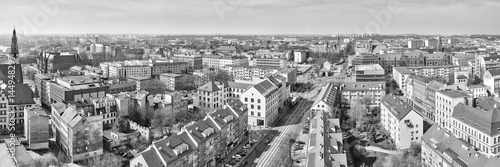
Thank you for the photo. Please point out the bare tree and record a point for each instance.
(47, 160)
(106, 160)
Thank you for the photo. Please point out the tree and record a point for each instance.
(163, 123)
(106, 160)
(284, 155)
(121, 124)
(139, 143)
(188, 82)
(47, 160)
(154, 87)
(357, 113)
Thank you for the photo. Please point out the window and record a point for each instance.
(246, 99)
(251, 100)
(258, 107)
(258, 100)
(251, 106)
(258, 114)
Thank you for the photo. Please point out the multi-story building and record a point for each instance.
(53, 61)
(235, 89)
(77, 132)
(180, 150)
(452, 41)
(212, 95)
(128, 101)
(326, 100)
(194, 62)
(483, 63)
(105, 106)
(447, 72)
(36, 128)
(415, 44)
(431, 43)
(492, 79)
(264, 100)
(369, 73)
(71, 88)
(404, 124)
(325, 143)
(126, 68)
(168, 67)
(250, 72)
(121, 86)
(139, 81)
(352, 91)
(476, 121)
(268, 62)
(411, 59)
(478, 90)
(299, 56)
(173, 81)
(441, 148)
(233, 121)
(206, 134)
(321, 48)
(201, 77)
(445, 102)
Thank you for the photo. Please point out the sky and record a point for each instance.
(250, 16)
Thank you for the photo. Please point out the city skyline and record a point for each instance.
(445, 17)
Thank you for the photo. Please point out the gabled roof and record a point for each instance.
(397, 107)
(209, 87)
(457, 149)
(485, 117)
(23, 94)
(327, 95)
(152, 158)
(4, 73)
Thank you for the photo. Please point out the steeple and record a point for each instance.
(13, 47)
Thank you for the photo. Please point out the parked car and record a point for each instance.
(244, 163)
(236, 156)
(227, 165)
(247, 146)
(268, 140)
(242, 154)
(301, 142)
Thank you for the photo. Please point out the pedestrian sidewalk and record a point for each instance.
(378, 149)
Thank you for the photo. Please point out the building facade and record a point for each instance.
(404, 124)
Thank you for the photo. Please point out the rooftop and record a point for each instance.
(353, 86)
(369, 67)
(453, 94)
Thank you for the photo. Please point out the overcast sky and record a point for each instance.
(252, 16)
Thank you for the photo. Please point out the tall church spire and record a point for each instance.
(13, 47)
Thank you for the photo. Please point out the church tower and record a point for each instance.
(14, 50)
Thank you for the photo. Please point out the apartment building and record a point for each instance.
(478, 90)
(415, 44)
(71, 88)
(492, 79)
(124, 69)
(77, 132)
(368, 73)
(235, 89)
(194, 62)
(441, 148)
(249, 73)
(201, 77)
(268, 62)
(212, 95)
(172, 81)
(404, 124)
(326, 100)
(128, 101)
(445, 102)
(57, 60)
(352, 91)
(169, 67)
(36, 128)
(264, 100)
(325, 143)
(476, 121)
(199, 143)
(445, 72)
(299, 56)
(121, 86)
(411, 59)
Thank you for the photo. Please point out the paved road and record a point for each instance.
(284, 127)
